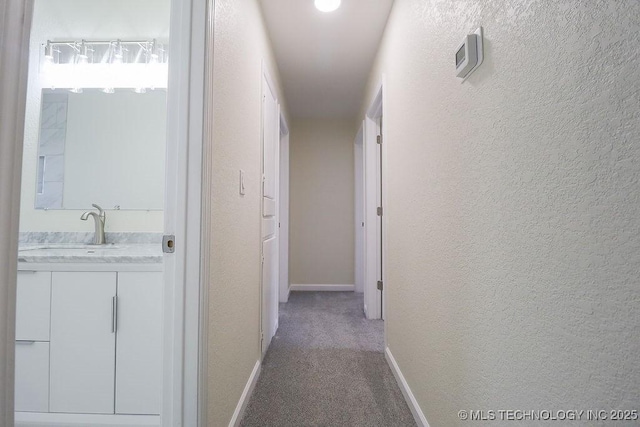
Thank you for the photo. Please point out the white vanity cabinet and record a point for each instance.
(139, 341)
(89, 342)
(32, 341)
(82, 342)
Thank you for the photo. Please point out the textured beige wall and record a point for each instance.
(322, 202)
(240, 46)
(513, 206)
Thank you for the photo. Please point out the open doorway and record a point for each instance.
(102, 334)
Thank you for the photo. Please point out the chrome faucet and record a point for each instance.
(99, 219)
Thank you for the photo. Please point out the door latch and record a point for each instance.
(168, 243)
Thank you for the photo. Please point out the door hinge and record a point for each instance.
(380, 285)
(168, 243)
(379, 211)
(379, 139)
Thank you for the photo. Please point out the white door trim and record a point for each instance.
(372, 297)
(15, 25)
(359, 210)
(185, 327)
(283, 214)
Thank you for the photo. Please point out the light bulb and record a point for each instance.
(140, 90)
(82, 57)
(327, 5)
(76, 90)
(108, 90)
(48, 53)
(118, 53)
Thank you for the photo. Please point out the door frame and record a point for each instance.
(185, 322)
(15, 29)
(283, 211)
(359, 211)
(375, 240)
(186, 207)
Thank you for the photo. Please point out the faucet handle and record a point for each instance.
(100, 210)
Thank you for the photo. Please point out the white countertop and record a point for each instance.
(135, 253)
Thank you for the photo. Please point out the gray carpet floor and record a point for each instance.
(326, 367)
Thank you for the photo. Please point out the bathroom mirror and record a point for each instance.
(104, 148)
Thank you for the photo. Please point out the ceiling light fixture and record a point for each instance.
(327, 5)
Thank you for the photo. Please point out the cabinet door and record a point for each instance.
(138, 357)
(82, 342)
(32, 376)
(32, 305)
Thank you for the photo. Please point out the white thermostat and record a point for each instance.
(469, 54)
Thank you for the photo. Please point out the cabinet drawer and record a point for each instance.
(33, 305)
(32, 376)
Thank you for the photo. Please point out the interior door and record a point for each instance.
(270, 137)
(82, 360)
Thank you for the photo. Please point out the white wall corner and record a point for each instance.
(322, 287)
(246, 396)
(418, 415)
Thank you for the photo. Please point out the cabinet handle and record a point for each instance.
(25, 342)
(114, 314)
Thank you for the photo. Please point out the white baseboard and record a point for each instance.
(285, 298)
(246, 395)
(33, 419)
(340, 288)
(418, 415)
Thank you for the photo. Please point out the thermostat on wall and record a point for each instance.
(469, 54)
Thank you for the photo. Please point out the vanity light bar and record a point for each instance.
(111, 51)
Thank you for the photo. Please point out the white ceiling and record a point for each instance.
(325, 58)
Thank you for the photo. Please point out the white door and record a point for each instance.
(139, 341)
(373, 211)
(283, 216)
(82, 342)
(270, 136)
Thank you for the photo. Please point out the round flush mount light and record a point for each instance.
(327, 5)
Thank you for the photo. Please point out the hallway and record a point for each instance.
(326, 367)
